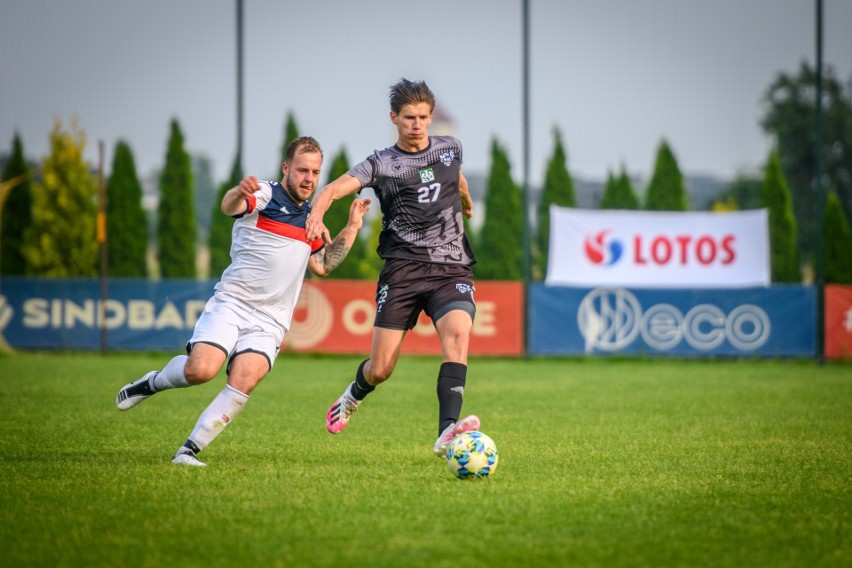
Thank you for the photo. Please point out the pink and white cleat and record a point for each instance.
(466, 424)
(337, 417)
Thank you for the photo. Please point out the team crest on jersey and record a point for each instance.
(447, 157)
(427, 175)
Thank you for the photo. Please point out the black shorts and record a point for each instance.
(407, 287)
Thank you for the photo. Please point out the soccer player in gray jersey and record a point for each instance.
(424, 199)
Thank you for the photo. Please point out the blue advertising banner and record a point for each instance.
(771, 321)
(65, 314)
(141, 315)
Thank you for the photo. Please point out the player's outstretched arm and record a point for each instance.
(322, 200)
(234, 200)
(325, 260)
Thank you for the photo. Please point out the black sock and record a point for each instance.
(191, 446)
(451, 380)
(360, 387)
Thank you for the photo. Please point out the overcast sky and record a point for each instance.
(615, 76)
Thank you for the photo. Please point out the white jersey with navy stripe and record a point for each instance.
(269, 253)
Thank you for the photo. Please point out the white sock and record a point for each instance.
(171, 377)
(224, 408)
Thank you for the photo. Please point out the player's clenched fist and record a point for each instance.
(248, 185)
(234, 202)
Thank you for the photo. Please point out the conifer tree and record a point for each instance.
(176, 230)
(775, 196)
(221, 225)
(500, 243)
(204, 193)
(17, 212)
(373, 263)
(291, 132)
(61, 240)
(558, 190)
(336, 218)
(790, 110)
(838, 243)
(471, 234)
(610, 189)
(666, 190)
(127, 228)
(619, 193)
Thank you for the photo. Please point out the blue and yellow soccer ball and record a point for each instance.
(472, 455)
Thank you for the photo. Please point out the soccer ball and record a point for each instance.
(472, 455)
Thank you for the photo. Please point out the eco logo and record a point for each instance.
(427, 175)
(612, 319)
(602, 249)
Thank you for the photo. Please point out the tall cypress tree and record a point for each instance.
(204, 193)
(17, 212)
(291, 132)
(775, 196)
(373, 263)
(127, 229)
(176, 232)
(221, 225)
(558, 190)
(666, 191)
(500, 244)
(790, 111)
(337, 217)
(61, 240)
(838, 243)
(618, 192)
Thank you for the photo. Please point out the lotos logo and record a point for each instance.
(601, 250)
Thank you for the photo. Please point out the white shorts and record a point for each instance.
(235, 327)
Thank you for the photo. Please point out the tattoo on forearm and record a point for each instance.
(334, 254)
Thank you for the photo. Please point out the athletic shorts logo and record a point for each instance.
(447, 157)
(427, 175)
(464, 288)
(602, 250)
(381, 297)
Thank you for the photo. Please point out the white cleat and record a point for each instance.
(133, 393)
(187, 458)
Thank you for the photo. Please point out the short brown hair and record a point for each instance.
(405, 92)
(300, 145)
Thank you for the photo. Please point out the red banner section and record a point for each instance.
(336, 316)
(838, 321)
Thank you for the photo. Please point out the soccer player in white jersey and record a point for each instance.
(424, 199)
(245, 321)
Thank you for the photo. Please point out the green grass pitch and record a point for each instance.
(602, 463)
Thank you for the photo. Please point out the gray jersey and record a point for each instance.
(421, 206)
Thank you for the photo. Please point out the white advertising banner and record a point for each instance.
(658, 249)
